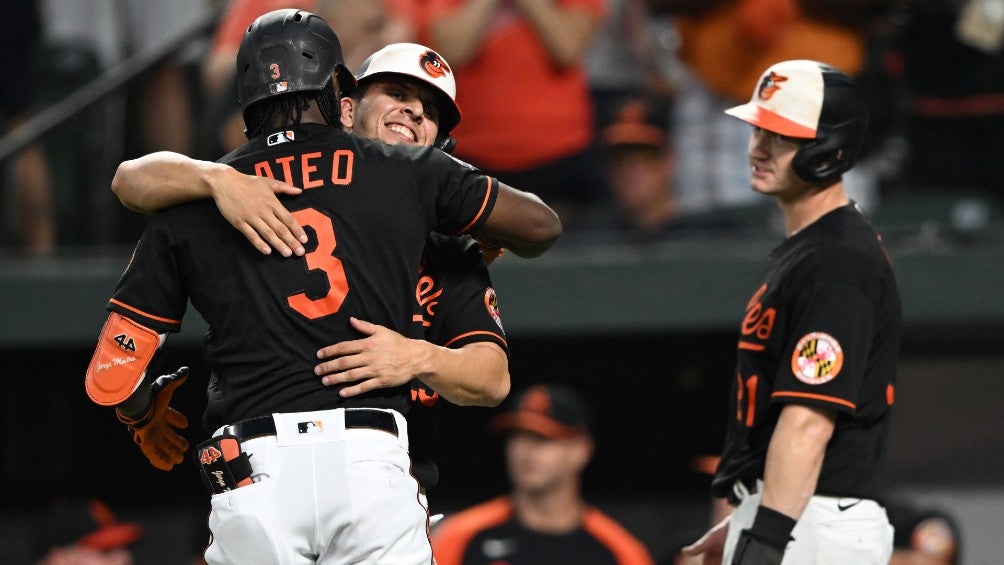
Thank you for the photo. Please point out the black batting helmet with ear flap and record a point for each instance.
(815, 102)
(287, 51)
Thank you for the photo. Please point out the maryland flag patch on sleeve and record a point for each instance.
(817, 358)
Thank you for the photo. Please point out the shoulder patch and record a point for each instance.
(817, 358)
(492, 305)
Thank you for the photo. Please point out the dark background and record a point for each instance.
(647, 336)
(655, 398)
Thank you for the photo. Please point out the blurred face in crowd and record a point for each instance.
(360, 25)
(538, 464)
(770, 157)
(639, 176)
(393, 109)
(85, 556)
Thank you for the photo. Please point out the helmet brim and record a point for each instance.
(753, 113)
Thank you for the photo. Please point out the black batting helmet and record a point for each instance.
(816, 102)
(286, 51)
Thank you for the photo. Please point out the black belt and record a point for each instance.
(354, 418)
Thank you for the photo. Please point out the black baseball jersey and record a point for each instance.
(367, 208)
(821, 329)
(456, 306)
(490, 534)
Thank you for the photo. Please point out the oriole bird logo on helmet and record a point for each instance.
(432, 63)
(770, 85)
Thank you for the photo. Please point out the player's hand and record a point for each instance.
(249, 203)
(156, 430)
(711, 544)
(381, 359)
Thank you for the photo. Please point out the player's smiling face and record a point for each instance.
(770, 156)
(396, 110)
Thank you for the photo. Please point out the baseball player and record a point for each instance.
(545, 519)
(456, 305)
(805, 450)
(284, 442)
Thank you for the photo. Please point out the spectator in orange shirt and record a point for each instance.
(528, 115)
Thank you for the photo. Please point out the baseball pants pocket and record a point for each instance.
(845, 530)
(241, 520)
(386, 521)
(238, 533)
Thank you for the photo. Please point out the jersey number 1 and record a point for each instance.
(321, 259)
(747, 392)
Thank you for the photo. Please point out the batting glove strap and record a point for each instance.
(765, 541)
(772, 527)
(751, 550)
(155, 432)
(165, 384)
(136, 423)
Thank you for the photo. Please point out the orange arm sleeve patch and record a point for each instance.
(124, 350)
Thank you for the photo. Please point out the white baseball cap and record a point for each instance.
(421, 62)
(788, 99)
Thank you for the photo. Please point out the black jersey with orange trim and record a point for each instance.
(490, 534)
(821, 329)
(367, 209)
(456, 306)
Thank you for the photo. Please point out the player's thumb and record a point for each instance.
(698, 547)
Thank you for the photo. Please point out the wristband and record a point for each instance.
(772, 527)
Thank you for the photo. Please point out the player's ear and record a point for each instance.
(582, 447)
(348, 112)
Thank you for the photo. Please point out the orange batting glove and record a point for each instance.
(155, 431)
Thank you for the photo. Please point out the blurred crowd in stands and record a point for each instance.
(610, 110)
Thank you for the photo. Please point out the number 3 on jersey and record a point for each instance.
(321, 259)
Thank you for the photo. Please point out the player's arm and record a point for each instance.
(566, 32)
(794, 461)
(163, 179)
(521, 222)
(117, 377)
(476, 374)
(795, 457)
(457, 34)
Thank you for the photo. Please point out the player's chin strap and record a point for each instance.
(446, 144)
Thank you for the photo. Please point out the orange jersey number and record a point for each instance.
(322, 258)
(746, 401)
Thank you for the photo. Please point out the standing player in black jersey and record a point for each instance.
(284, 441)
(406, 95)
(804, 456)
